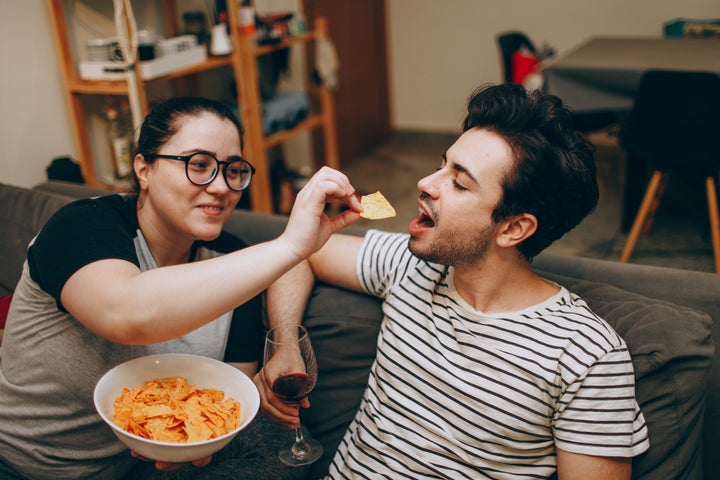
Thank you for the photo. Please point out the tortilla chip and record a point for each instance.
(375, 207)
(170, 410)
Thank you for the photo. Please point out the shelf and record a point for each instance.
(209, 64)
(312, 121)
(285, 43)
(243, 62)
(98, 87)
(119, 87)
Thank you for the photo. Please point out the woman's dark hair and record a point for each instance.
(554, 176)
(163, 122)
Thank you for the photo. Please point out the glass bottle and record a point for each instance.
(120, 144)
(247, 18)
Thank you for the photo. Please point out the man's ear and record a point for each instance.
(516, 229)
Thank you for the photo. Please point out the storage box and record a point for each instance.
(685, 27)
(149, 69)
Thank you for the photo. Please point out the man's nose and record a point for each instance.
(428, 184)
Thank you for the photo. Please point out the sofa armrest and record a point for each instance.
(683, 287)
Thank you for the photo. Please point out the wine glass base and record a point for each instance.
(295, 456)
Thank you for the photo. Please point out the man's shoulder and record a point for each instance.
(579, 321)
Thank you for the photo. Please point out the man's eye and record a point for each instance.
(458, 186)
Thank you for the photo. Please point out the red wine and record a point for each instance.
(293, 387)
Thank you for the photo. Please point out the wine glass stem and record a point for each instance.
(299, 448)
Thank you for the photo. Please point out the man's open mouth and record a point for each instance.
(425, 220)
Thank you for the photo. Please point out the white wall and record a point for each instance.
(34, 125)
(438, 50)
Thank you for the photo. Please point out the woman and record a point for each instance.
(122, 276)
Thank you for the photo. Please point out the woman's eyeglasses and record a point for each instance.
(201, 168)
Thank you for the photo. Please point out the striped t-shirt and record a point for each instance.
(455, 393)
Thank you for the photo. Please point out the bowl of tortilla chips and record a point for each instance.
(176, 407)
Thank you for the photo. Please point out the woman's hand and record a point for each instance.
(309, 227)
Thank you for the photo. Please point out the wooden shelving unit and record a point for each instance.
(243, 61)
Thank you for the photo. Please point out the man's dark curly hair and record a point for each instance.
(554, 176)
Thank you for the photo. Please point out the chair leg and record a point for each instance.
(712, 198)
(645, 206)
(654, 206)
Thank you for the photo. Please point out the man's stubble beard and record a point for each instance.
(453, 249)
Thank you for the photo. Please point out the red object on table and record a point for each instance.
(523, 64)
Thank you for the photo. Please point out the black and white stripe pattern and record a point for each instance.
(454, 393)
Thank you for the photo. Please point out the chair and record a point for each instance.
(509, 43)
(674, 126)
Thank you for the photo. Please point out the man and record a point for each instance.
(483, 369)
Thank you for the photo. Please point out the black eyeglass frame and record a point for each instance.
(220, 165)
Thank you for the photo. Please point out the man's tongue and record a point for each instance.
(420, 224)
(424, 220)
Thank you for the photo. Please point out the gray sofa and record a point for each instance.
(668, 317)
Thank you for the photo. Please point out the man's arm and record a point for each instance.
(336, 262)
(286, 302)
(575, 466)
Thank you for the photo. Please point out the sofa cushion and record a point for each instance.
(22, 213)
(694, 289)
(672, 351)
(343, 326)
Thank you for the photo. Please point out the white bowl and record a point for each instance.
(203, 371)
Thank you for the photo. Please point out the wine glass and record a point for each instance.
(290, 369)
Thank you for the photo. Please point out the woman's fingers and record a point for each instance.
(309, 227)
(329, 185)
(344, 219)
